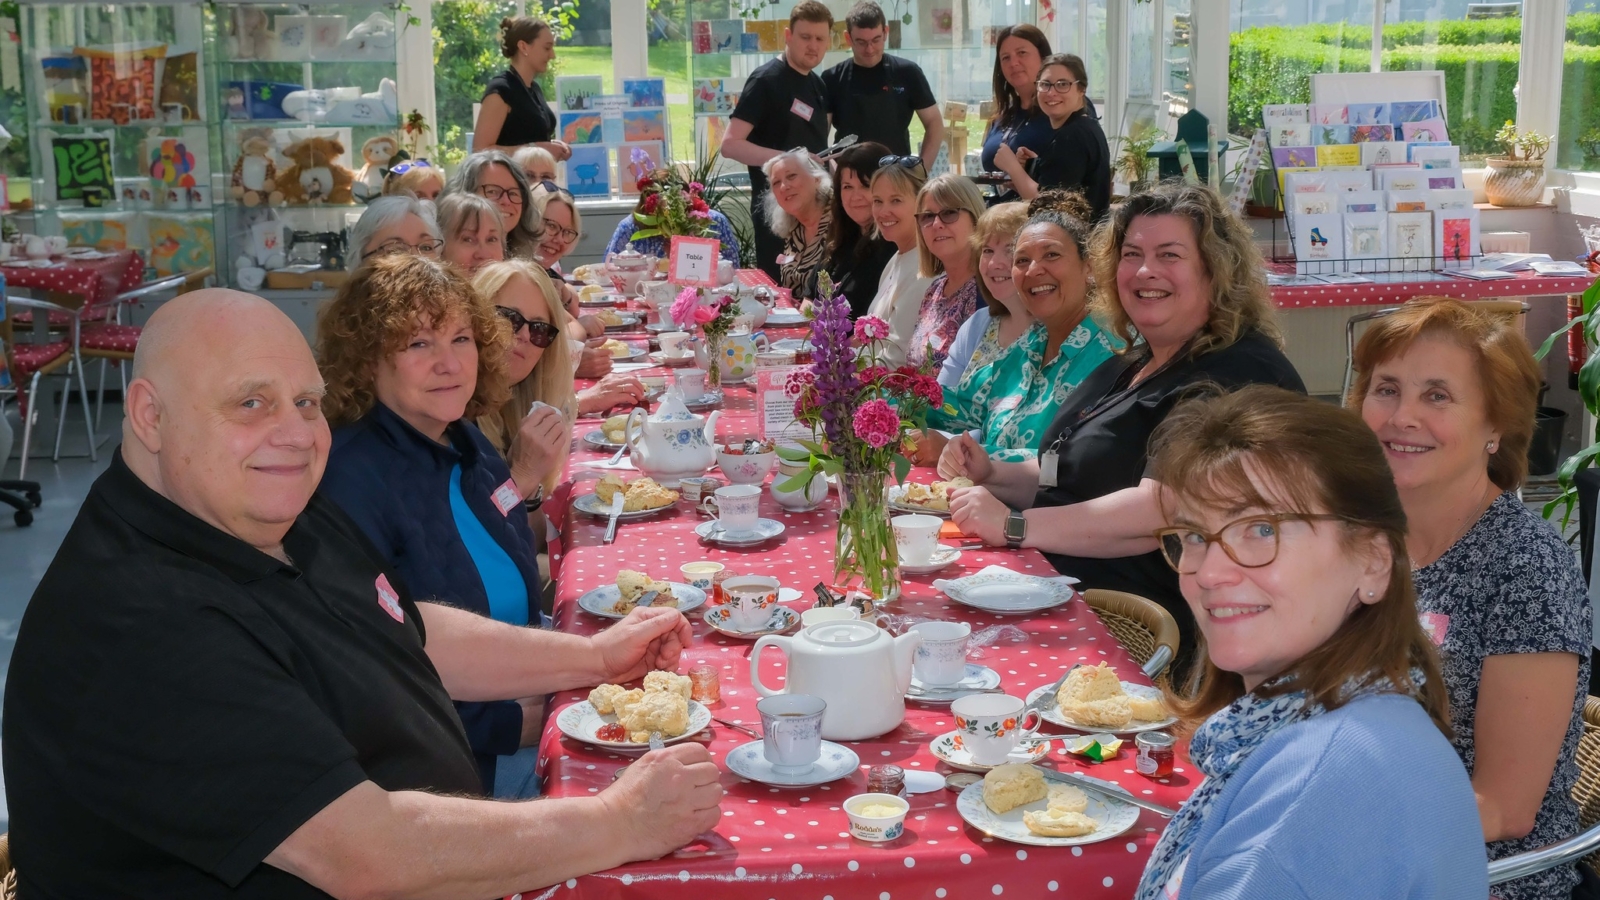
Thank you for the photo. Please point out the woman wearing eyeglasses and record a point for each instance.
(1075, 157)
(536, 163)
(395, 224)
(1321, 719)
(948, 208)
(856, 254)
(493, 176)
(412, 355)
(472, 235)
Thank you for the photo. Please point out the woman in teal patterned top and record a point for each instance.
(1009, 401)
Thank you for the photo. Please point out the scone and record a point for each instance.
(644, 493)
(1147, 709)
(600, 698)
(1066, 798)
(667, 681)
(1009, 786)
(617, 349)
(1058, 823)
(625, 700)
(632, 585)
(608, 487)
(923, 496)
(663, 711)
(1094, 697)
(615, 429)
(609, 317)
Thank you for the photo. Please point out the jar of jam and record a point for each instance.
(886, 780)
(1156, 754)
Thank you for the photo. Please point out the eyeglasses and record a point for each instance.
(1251, 542)
(904, 162)
(1059, 87)
(947, 216)
(567, 235)
(540, 334)
(393, 246)
(495, 194)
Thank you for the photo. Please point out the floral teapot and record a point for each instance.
(674, 443)
(858, 668)
(736, 353)
(627, 269)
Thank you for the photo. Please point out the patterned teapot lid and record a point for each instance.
(672, 408)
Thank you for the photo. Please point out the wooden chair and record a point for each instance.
(1583, 847)
(1148, 632)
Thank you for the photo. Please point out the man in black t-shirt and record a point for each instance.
(873, 95)
(218, 691)
(783, 106)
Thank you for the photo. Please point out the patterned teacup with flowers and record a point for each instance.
(990, 726)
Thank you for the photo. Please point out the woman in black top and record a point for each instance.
(1076, 157)
(856, 255)
(1182, 285)
(514, 112)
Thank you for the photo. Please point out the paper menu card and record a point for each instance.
(777, 389)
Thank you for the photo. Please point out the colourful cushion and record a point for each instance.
(24, 318)
(115, 338)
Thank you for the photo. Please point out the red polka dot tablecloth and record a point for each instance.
(97, 281)
(755, 278)
(795, 843)
(1524, 284)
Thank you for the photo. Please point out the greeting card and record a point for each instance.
(578, 92)
(1380, 152)
(750, 42)
(1409, 201)
(1401, 179)
(644, 125)
(1457, 199)
(1313, 203)
(1338, 154)
(1285, 114)
(1361, 202)
(1330, 134)
(1403, 111)
(589, 171)
(1430, 156)
(1455, 237)
(770, 33)
(638, 159)
(1297, 181)
(645, 92)
(1329, 114)
(580, 127)
(1367, 114)
(1294, 157)
(1297, 135)
(1426, 130)
(1366, 237)
(700, 36)
(1361, 134)
(714, 95)
(1411, 238)
(1345, 180)
(1318, 240)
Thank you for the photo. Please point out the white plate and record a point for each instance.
(957, 757)
(581, 720)
(977, 678)
(896, 491)
(602, 601)
(765, 530)
(1114, 818)
(783, 618)
(786, 317)
(637, 354)
(792, 345)
(628, 321)
(661, 359)
(1052, 711)
(597, 439)
(1008, 592)
(662, 327)
(604, 301)
(942, 557)
(591, 504)
(750, 761)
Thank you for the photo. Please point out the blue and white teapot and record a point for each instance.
(674, 443)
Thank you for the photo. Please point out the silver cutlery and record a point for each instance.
(617, 457)
(737, 727)
(656, 743)
(1049, 697)
(617, 500)
(1095, 787)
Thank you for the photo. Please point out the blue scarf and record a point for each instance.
(1220, 745)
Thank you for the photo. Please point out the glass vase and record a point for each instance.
(713, 362)
(865, 543)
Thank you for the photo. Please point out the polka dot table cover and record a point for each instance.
(97, 281)
(755, 278)
(795, 843)
(1403, 288)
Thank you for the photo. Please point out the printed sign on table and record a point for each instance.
(692, 260)
(777, 389)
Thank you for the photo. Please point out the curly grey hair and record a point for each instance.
(386, 212)
(781, 223)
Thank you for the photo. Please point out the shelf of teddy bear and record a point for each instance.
(286, 169)
(236, 124)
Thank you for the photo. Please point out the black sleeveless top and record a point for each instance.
(531, 119)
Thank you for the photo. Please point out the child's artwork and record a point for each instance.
(700, 36)
(644, 125)
(102, 232)
(1443, 179)
(1360, 202)
(1328, 114)
(749, 42)
(578, 92)
(1366, 236)
(1361, 134)
(1318, 238)
(1402, 111)
(769, 33)
(589, 171)
(124, 83)
(1410, 201)
(1291, 135)
(1426, 130)
(1294, 157)
(1367, 114)
(1330, 134)
(1456, 237)
(645, 92)
(636, 160)
(1338, 154)
(1314, 203)
(1411, 238)
(1447, 156)
(180, 244)
(1402, 179)
(580, 127)
(1379, 153)
(714, 96)
(726, 35)
(82, 164)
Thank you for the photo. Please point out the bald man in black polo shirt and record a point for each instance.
(217, 690)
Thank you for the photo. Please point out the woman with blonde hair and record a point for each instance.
(412, 355)
(472, 233)
(537, 163)
(902, 284)
(948, 209)
(417, 177)
(1180, 283)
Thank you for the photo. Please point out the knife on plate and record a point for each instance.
(617, 501)
(1095, 787)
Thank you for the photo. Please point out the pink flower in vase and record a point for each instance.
(877, 423)
(683, 308)
(871, 328)
(704, 314)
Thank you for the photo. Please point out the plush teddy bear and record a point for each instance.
(251, 37)
(376, 153)
(314, 174)
(255, 178)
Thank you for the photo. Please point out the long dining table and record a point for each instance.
(795, 842)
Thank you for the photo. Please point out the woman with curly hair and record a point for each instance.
(1181, 285)
(412, 355)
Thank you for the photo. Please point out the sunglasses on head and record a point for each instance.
(410, 164)
(947, 216)
(904, 162)
(540, 334)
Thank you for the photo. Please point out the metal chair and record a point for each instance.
(33, 361)
(1148, 632)
(1584, 847)
(22, 496)
(1507, 308)
(112, 341)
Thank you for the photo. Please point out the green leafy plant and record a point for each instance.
(1589, 391)
(1520, 146)
(1133, 154)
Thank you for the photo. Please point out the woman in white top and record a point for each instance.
(902, 286)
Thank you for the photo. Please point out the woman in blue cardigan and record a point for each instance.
(411, 355)
(1323, 719)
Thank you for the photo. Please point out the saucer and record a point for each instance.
(661, 327)
(955, 756)
(661, 359)
(765, 530)
(597, 440)
(786, 316)
(942, 557)
(783, 618)
(978, 678)
(750, 761)
(704, 401)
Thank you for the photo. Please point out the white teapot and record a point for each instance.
(674, 443)
(627, 269)
(856, 667)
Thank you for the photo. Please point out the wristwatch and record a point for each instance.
(533, 503)
(1016, 529)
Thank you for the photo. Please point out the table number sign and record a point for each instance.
(693, 260)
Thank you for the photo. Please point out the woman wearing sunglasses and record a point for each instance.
(395, 224)
(1075, 157)
(948, 208)
(1322, 715)
(412, 355)
(493, 176)
(664, 179)
(417, 177)
(856, 254)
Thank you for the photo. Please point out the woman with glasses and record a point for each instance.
(536, 163)
(1019, 52)
(856, 254)
(902, 285)
(417, 177)
(1450, 393)
(1180, 283)
(1320, 721)
(664, 179)
(1075, 157)
(395, 224)
(948, 208)
(412, 355)
(493, 176)
(514, 112)
(798, 210)
(472, 235)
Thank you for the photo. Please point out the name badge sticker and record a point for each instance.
(389, 599)
(801, 110)
(1437, 625)
(506, 498)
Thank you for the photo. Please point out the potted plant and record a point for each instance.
(1133, 158)
(1516, 177)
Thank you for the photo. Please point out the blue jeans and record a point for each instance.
(516, 776)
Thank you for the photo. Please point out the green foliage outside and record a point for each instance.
(1479, 58)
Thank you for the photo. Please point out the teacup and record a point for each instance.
(791, 725)
(916, 537)
(770, 359)
(736, 507)
(818, 614)
(991, 725)
(672, 344)
(691, 382)
(750, 599)
(941, 658)
(700, 574)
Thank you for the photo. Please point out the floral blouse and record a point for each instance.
(802, 259)
(1013, 398)
(940, 319)
(721, 229)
